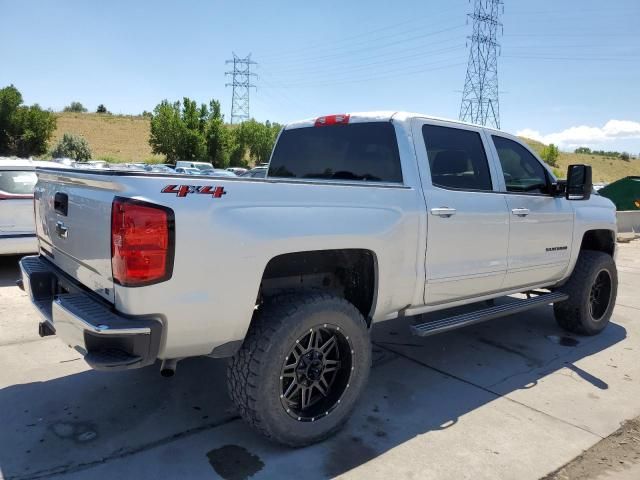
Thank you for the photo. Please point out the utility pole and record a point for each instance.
(480, 94)
(241, 82)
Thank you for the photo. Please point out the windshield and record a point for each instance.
(17, 182)
(203, 166)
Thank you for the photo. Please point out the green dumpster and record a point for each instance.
(625, 193)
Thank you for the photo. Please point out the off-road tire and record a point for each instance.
(253, 374)
(575, 314)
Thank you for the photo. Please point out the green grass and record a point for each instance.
(605, 169)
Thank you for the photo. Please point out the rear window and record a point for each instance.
(359, 151)
(17, 182)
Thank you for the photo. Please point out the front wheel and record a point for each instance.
(302, 367)
(592, 290)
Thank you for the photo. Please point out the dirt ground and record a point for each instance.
(616, 457)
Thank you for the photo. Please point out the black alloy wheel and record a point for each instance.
(316, 373)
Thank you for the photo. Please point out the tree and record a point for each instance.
(184, 131)
(583, 150)
(72, 146)
(219, 139)
(102, 109)
(24, 130)
(35, 127)
(178, 130)
(625, 156)
(550, 154)
(75, 107)
(10, 100)
(258, 138)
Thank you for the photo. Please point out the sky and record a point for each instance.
(569, 70)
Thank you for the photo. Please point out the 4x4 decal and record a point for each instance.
(184, 190)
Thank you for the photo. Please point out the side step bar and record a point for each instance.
(451, 323)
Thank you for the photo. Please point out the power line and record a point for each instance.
(337, 44)
(368, 47)
(580, 59)
(396, 73)
(333, 69)
(480, 94)
(241, 84)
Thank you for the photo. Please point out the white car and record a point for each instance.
(197, 165)
(188, 171)
(17, 228)
(361, 218)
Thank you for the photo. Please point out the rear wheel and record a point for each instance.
(592, 290)
(302, 367)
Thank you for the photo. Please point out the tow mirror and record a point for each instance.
(579, 183)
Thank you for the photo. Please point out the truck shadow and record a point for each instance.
(72, 420)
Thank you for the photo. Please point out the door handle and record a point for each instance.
(61, 230)
(521, 212)
(444, 212)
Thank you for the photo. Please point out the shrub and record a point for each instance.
(75, 107)
(102, 109)
(24, 130)
(625, 156)
(72, 146)
(550, 155)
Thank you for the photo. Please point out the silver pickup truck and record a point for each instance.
(361, 218)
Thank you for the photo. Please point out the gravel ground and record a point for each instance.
(615, 457)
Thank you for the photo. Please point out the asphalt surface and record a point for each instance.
(515, 398)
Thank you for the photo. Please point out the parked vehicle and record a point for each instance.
(237, 170)
(92, 164)
(361, 218)
(257, 172)
(218, 172)
(159, 168)
(17, 228)
(188, 171)
(197, 165)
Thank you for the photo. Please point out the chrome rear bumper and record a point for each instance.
(107, 339)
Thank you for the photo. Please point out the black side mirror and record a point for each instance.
(579, 183)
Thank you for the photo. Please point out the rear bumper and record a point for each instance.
(18, 244)
(107, 340)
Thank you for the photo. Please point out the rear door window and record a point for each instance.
(17, 182)
(365, 152)
(523, 173)
(457, 158)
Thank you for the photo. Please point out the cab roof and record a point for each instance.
(379, 116)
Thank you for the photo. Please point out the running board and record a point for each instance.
(451, 323)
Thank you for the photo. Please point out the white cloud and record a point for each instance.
(587, 136)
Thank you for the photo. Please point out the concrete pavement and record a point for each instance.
(515, 398)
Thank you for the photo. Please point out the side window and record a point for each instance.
(456, 158)
(523, 173)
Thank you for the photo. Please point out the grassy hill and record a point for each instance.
(125, 138)
(117, 138)
(605, 169)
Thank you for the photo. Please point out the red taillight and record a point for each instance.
(338, 119)
(142, 243)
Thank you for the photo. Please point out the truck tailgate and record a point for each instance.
(73, 224)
